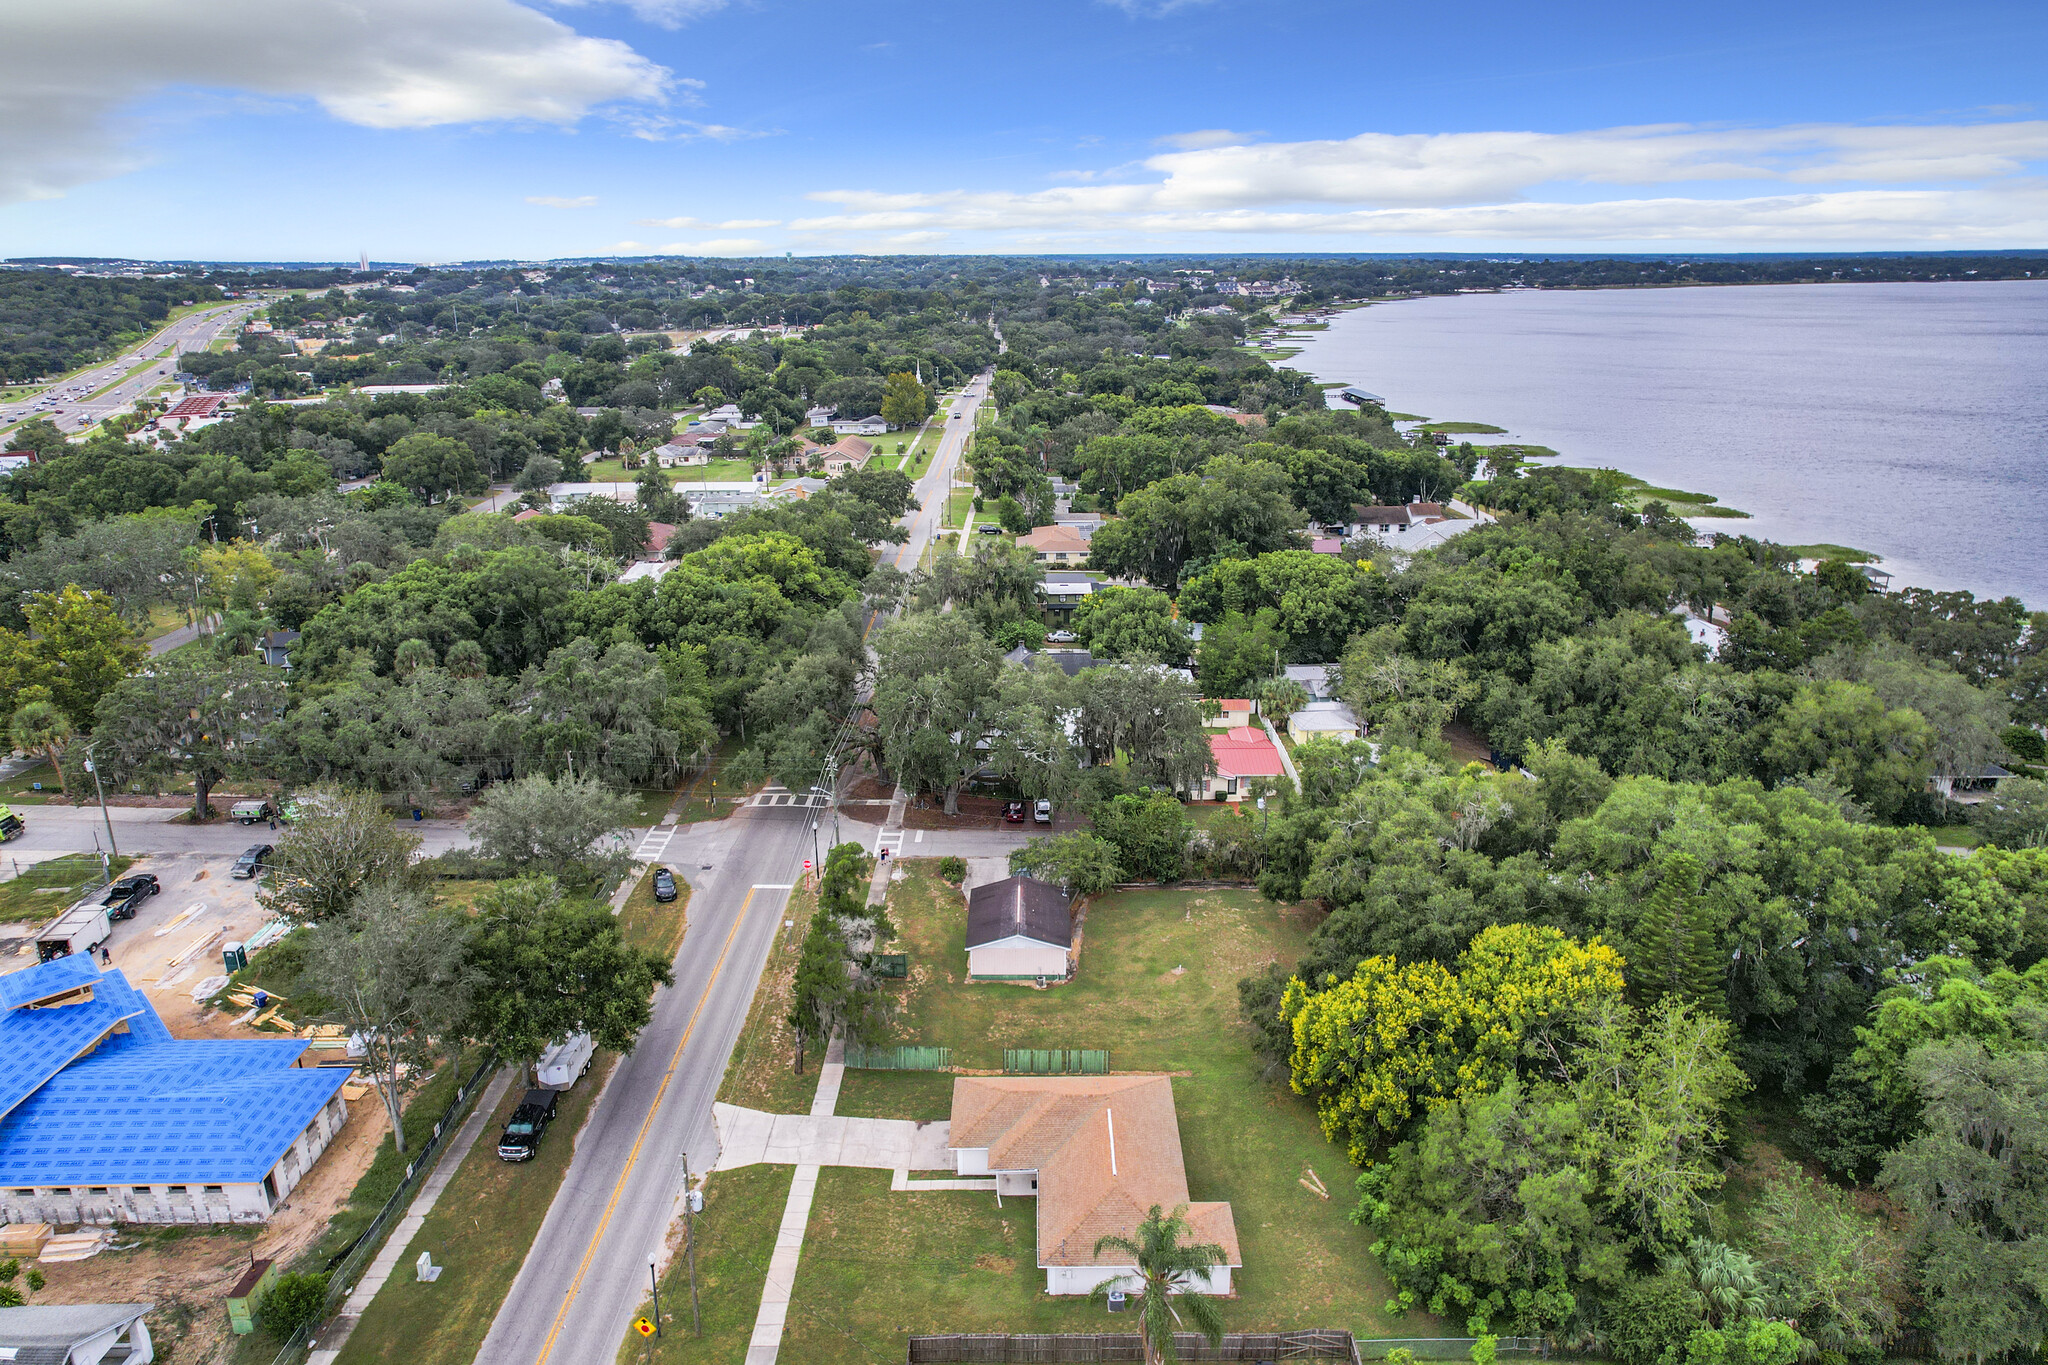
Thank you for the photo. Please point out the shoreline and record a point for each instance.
(1807, 474)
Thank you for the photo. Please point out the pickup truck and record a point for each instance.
(521, 1138)
(126, 896)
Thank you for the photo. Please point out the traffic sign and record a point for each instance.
(643, 1327)
(807, 864)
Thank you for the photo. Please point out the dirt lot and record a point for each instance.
(171, 946)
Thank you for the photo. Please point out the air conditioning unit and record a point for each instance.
(1117, 1301)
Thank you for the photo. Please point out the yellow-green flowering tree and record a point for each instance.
(1393, 1038)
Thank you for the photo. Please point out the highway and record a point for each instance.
(586, 1274)
(191, 333)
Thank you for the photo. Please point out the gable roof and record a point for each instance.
(60, 1327)
(1019, 907)
(1245, 752)
(1106, 1149)
(1379, 516)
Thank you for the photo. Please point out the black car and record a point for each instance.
(664, 885)
(521, 1138)
(252, 862)
(126, 896)
(1013, 811)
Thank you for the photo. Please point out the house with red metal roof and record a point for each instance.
(1243, 756)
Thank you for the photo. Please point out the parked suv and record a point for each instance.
(126, 896)
(521, 1138)
(664, 885)
(1042, 813)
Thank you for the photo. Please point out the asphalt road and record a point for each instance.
(585, 1276)
(191, 333)
(53, 830)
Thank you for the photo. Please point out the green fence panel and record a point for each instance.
(1040, 1061)
(899, 1058)
(894, 966)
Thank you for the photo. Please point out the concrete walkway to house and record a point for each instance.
(336, 1333)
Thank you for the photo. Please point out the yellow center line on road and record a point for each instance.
(576, 1285)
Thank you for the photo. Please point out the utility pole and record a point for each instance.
(655, 1281)
(94, 769)
(691, 1199)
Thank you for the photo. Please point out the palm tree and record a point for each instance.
(1730, 1281)
(39, 727)
(1163, 1286)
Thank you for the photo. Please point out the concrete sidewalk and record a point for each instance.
(399, 1240)
(766, 1342)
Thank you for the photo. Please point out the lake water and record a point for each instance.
(1908, 420)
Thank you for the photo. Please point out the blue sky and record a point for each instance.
(450, 129)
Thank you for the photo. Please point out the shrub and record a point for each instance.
(10, 1297)
(35, 1279)
(1648, 1317)
(953, 870)
(9, 1268)
(295, 1301)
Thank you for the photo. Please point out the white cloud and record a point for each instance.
(729, 225)
(1203, 138)
(68, 71)
(1959, 183)
(666, 128)
(556, 201)
(667, 13)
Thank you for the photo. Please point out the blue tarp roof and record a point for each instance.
(46, 979)
(145, 1108)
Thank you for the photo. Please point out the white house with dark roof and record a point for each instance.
(105, 1118)
(1018, 929)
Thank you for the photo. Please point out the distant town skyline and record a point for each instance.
(452, 129)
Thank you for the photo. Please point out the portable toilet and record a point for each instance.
(247, 1295)
(234, 957)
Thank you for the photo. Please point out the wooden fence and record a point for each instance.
(1106, 1347)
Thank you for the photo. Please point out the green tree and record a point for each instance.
(77, 648)
(1239, 652)
(1835, 1269)
(340, 841)
(393, 966)
(1675, 950)
(935, 700)
(1169, 1281)
(1649, 1321)
(189, 715)
(544, 968)
(38, 727)
(1149, 834)
(1974, 1185)
(1404, 700)
(1130, 623)
(905, 402)
(570, 828)
(2016, 816)
(434, 466)
(1079, 862)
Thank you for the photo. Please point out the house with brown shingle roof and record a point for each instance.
(1056, 545)
(847, 453)
(1097, 1152)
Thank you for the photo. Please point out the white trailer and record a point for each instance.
(562, 1063)
(81, 929)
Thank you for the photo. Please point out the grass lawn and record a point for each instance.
(760, 1074)
(700, 793)
(647, 923)
(480, 1229)
(735, 1236)
(1158, 986)
(651, 803)
(920, 457)
(1465, 428)
(614, 470)
(42, 890)
(1956, 836)
(21, 788)
(885, 462)
(957, 505)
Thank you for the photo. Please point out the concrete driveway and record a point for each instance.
(750, 1137)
